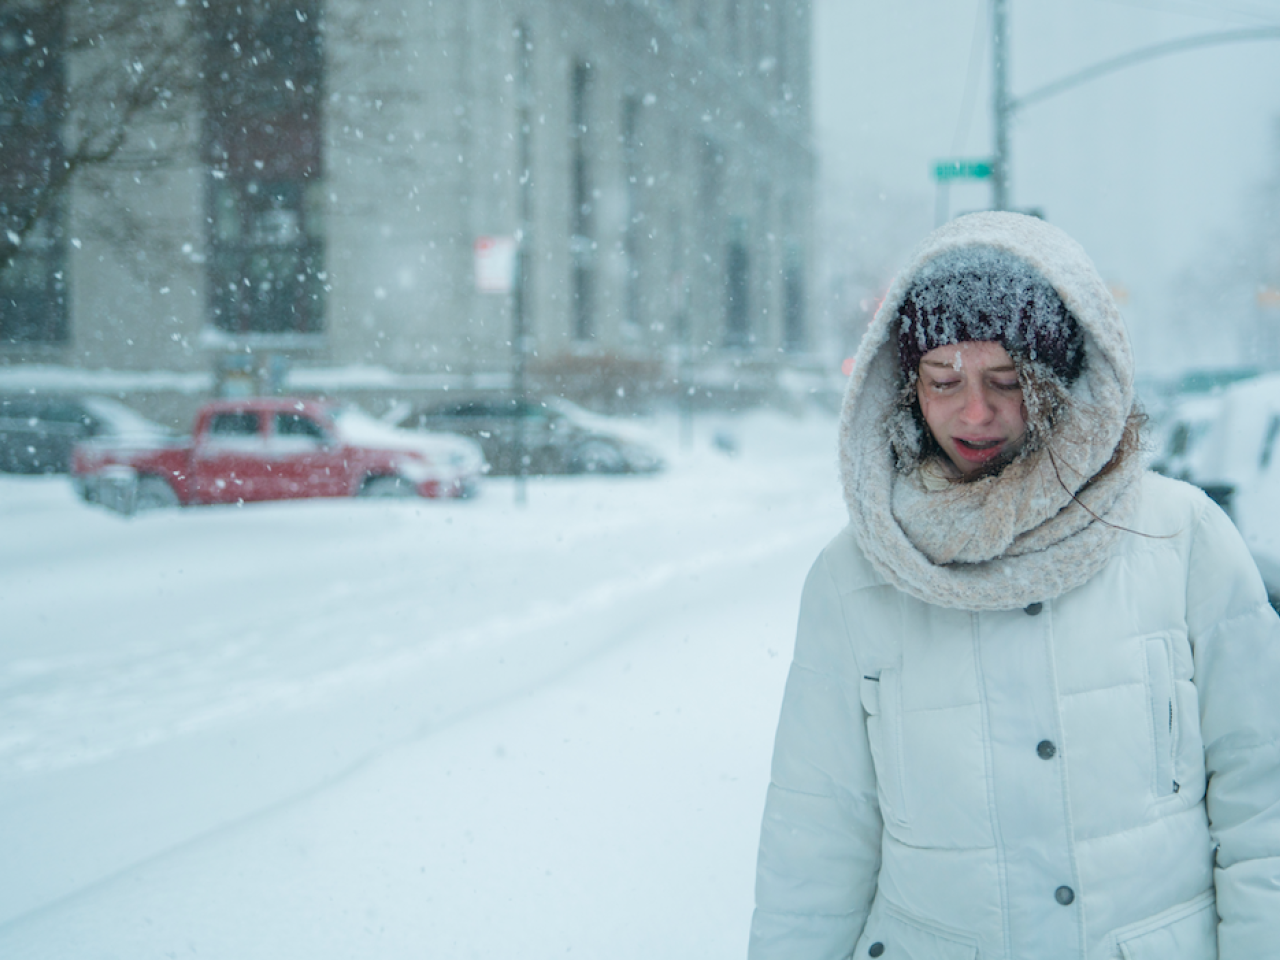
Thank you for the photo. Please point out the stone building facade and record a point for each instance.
(314, 194)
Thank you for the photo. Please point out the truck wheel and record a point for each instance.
(154, 493)
(385, 487)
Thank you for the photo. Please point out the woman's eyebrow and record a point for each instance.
(1007, 368)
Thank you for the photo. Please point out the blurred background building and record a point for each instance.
(240, 193)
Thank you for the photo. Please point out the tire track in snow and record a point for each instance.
(26, 751)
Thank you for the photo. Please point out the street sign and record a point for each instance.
(495, 263)
(963, 169)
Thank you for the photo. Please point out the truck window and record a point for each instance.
(297, 425)
(239, 424)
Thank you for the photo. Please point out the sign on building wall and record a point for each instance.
(495, 259)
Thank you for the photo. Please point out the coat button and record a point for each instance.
(877, 948)
(1045, 750)
(1033, 609)
(1064, 895)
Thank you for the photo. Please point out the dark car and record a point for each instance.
(558, 436)
(37, 431)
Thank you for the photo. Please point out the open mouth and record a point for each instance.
(978, 449)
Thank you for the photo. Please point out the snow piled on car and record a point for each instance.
(357, 427)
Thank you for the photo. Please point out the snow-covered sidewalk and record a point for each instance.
(332, 730)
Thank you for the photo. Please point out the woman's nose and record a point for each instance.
(977, 406)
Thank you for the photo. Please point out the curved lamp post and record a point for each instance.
(1006, 106)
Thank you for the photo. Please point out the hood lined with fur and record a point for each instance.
(1017, 537)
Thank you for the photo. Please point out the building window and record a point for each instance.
(33, 254)
(631, 174)
(582, 229)
(737, 286)
(262, 142)
(793, 321)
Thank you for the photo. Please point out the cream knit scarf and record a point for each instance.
(1008, 540)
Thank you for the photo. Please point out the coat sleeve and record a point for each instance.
(820, 841)
(1236, 641)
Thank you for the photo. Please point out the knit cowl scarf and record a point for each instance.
(1049, 520)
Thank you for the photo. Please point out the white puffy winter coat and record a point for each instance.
(1031, 784)
(1066, 746)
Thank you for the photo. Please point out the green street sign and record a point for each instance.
(962, 169)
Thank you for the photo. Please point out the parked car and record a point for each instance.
(37, 431)
(558, 436)
(1238, 465)
(1237, 445)
(1181, 435)
(278, 448)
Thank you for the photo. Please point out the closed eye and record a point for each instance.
(942, 384)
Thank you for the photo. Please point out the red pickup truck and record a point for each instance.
(277, 448)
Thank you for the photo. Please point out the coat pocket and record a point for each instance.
(894, 935)
(1163, 715)
(1188, 931)
(881, 699)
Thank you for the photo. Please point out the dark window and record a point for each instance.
(297, 425)
(631, 174)
(582, 244)
(234, 425)
(33, 292)
(737, 284)
(793, 322)
(264, 70)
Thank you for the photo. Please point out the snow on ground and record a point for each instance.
(404, 729)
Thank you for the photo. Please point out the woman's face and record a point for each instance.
(972, 401)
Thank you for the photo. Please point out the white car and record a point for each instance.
(1238, 464)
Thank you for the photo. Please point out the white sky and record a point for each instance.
(1150, 168)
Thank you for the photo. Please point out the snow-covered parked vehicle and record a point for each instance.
(1238, 465)
(1182, 434)
(38, 430)
(277, 448)
(550, 435)
(1238, 446)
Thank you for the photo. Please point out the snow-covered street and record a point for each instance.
(404, 729)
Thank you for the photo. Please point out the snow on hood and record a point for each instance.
(619, 428)
(357, 427)
(124, 422)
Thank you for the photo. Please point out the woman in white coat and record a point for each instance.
(1033, 707)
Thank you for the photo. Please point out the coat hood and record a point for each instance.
(1047, 522)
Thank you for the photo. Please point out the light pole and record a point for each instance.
(1001, 104)
(1005, 106)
